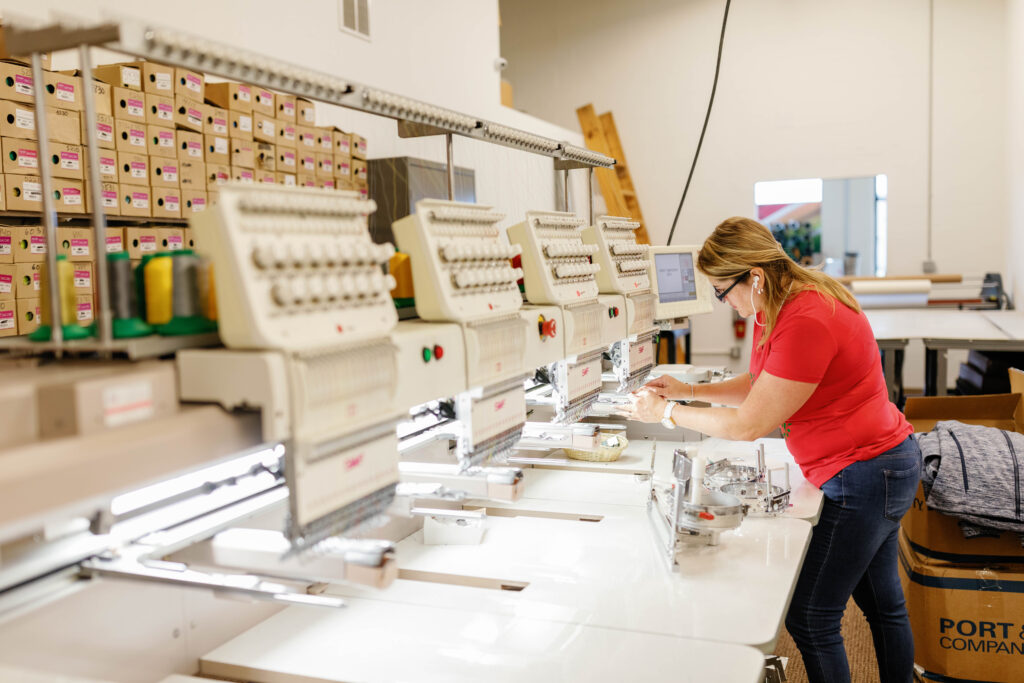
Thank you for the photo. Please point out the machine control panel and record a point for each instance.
(624, 265)
(556, 262)
(461, 267)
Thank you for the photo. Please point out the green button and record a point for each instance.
(427, 354)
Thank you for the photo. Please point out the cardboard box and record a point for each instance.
(187, 240)
(110, 198)
(342, 142)
(358, 147)
(8, 318)
(84, 309)
(243, 153)
(285, 107)
(325, 140)
(128, 105)
(75, 243)
(190, 146)
(119, 75)
(133, 170)
(263, 102)
(27, 284)
(115, 240)
(7, 238)
(18, 120)
(156, 78)
(162, 142)
(266, 177)
(16, 82)
(217, 149)
(159, 110)
(305, 111)
(130, 136)
(966, 619)
(8, 281)
(104, 131)
(287, 160)
(29, 243)
(67, 161)
(216, 175)
(163, 173)
(193, 202)
(211, 197)
(136, 200)
(266, 156)
(240, 124)
(63, 90)
(264, 128)
(307, 162)
(217, 121)
(189, 114)
(189, 84)
(325, 167)
(102, 94)
(359, 173)
(108, 165)
(231, 96)
(192, 174)
(166, 202)
(96, 403)
(20, 157)
(243, 175)
(140, 241)
(305, 180)
(170, 239)
(28, 311)
(327, 183)
(285, 179)
(82, 276)
(343, 167)
(932, 535)
(306, 139)
(287, 134)
(25, 193)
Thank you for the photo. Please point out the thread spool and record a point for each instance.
(67, 302)
(157, 276)
(186, 305)
(207, 289)
(123, 298)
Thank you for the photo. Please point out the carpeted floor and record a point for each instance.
(860, 650)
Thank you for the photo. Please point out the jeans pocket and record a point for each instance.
(900, 487)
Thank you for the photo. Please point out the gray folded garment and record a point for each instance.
(976, 474)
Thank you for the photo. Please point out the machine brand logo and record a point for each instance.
(579, 293)
(339, 328)
(641, 349)
(636, 284)
(490, 307)
(499, 405)
(586, 371)
(352, 463)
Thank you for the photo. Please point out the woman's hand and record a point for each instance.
(646, 406)
(669, 387)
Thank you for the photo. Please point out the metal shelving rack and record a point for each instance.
(151, 42)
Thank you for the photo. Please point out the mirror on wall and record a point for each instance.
(839, 224)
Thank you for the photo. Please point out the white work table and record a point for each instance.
(381, 641)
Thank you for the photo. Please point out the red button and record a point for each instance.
(549, 328)
(438, 352)
(705, 515)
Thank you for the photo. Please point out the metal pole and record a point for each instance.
(449, 148)
(95, 197)
(565, 189)
(49, 210)
(590, 194)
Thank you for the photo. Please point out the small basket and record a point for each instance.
(608, 449)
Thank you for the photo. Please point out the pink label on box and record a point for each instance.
(220, 125)
(363, 192)
(73, 197)
(245, 176)
(82, 278)
(171, 203)
(147, 243)
(326, 142)
(137, 137)
(308, 141)
(35, 280)
(113, 242)
(79, 247)
(5, 244)
(289, 132)
(28, 158)
(222, 177)
(269, 179)
(265, 95)
(195, 116)
(193, 82)
(69, 160)
(107, 166)
(195, 149)
(328, 165)
(140, 200)
(6, 282)
(136, 107)
(104, 132)
(85, 311)
(343, 145)
(37, 244)
(244, 93)
(166, 138)
(138, 169)
(66, 92)
(309, 163)
(23, 84)
(309, 183)
(329, 184)
(343, 168)
(164, 111)
(198, 204)
(6, 320)
(289, 108)
(110, 201)
(174, 241)
(289, 158)
(362, 147)
(170, 173)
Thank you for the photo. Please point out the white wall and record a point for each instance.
(808, 88)
(1015, 151)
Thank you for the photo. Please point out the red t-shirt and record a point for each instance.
(849, 417)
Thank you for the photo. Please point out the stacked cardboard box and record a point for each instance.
(965, 596)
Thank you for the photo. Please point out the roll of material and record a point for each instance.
(869, 301)
(158, 277)
(922, 286)
(124, 302)
(185, 285)
(65, 293)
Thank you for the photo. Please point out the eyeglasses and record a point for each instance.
(721, 295)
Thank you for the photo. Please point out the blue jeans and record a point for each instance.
(853, 552)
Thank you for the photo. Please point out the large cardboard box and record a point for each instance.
(192, 202)
(136, 200)
(170, 239)
(359, 173)
(66, 161)
(263, 102)
(266, 177)
(192, 174)
(342, 142)
(285, 179)
(140, 241)
(216, 175)
(218, 149)
(29, 243)
(84, 309)
(166, 202)
(285, 107)
(217, 121)
(102, 94)
(306, 139)
(264, 128)
(933, 535)
(266, 156)
(115, 240)
(307, 162)
(189, 84)
(240, 124)
(8, 318)
(968, 620)
(64, 125)
(343, 167)
(159, 110)
(16, 82)
(190, 146)
(325, 166)
(75, 243)
(104, 131)
(243, 153)
(305, 180)
(18, 120)
(109, 197)
(63, 90)
(133, 169)
(129, 136)
(128, 105)
(232, 96)
(163, 173)
(28, 315)
(358, 147)
(305, 112)
(26, 280)
(25, 193)
(243, 175)
(156, 78)
(82, 277)
(287, 160)
(287, 134)
(162, 142)
(108, 165)
(325, 140)
(119, 75)
(189, 114)
(20, 157)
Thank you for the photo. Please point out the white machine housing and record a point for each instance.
(680, 289)
(623, 260)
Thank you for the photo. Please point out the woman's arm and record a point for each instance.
(770, 402)
(730, 392)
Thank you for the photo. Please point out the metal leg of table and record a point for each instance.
(936, 369)
(889, 370)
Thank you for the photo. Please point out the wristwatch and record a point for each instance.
(666, 419)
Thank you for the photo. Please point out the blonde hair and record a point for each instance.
(739, 244)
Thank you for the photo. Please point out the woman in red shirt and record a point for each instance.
(815, 372)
